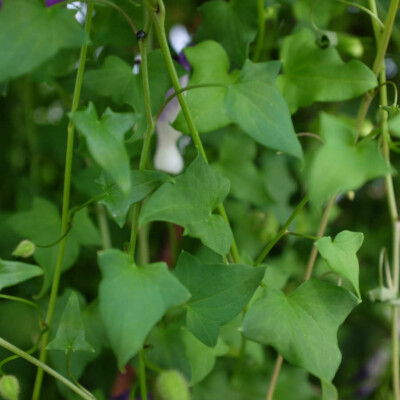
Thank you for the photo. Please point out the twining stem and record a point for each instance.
(281, 232)
(261, 30)
(157, 13)
(142, 375)
(65, 204)
(142, 36)
(103, 226)
(382, 40)
(147, 138)
(44, 367)
(320, 233)
(275, 375)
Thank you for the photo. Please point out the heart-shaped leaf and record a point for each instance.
(133, 299)
(219, 293)
(340, 254)
(105, 139)
(70, 334)
(302, 326)
(314, 74)
(189, 202)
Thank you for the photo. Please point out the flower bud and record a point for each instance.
(9, 387)
(24, 249)
(172, 385)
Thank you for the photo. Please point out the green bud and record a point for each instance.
(24, 249)
(9, 387)
(172, 385)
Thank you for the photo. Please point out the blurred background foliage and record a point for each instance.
(265, 187)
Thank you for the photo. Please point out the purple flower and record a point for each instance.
(1, 3)
(50, 3)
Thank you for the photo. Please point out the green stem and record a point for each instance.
(385, 37)
(275, 375)
(43, 367)
(157, 14)
(147, 138)
(261, 30)
(104, 227)
(25, 301)
(74, 380)
(142, 374)
(281, 232)
(320, 233)
(65, 206)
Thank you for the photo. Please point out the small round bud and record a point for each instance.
(9, 387)
(172, 385)
(24, 249)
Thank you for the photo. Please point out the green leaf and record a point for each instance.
(105, 140)
(133, 299)
(233, 24)
(302, 326)
(254, 103)
(340, 254)
(313, 74)
(329, 391)
(116, 79)
(142, 184)
(189, 202)
(236, 162)
(201, 357)
(71, 331)
(340, 165)
(31, 34)
(219, 293)
(14, 272)
(206, 104)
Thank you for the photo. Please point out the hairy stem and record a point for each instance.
(65, 204)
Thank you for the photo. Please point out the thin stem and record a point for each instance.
(142, 374)
(261, 30)
(395, 351)
(147, 138)
(25, 301)
(320, 233)
(104, 227)
(385, 37)
(158, 16)
(69, 372)
(366, 10)
(281, 232)
(43, 367)
(182, 90)
(302, 235)
(65, 206)
(275, 375)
